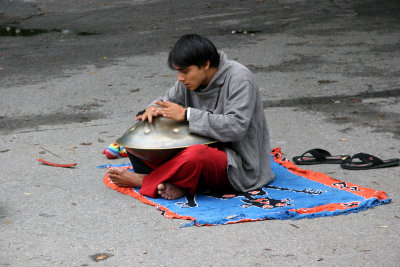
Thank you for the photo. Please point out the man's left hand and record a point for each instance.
(171, 110)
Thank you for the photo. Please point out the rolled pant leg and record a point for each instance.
(187, 168)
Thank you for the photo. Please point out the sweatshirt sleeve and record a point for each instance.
(232, 125)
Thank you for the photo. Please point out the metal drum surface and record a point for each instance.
(160, 140)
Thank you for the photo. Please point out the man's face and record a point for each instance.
(192, 77)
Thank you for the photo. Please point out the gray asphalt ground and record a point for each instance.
(74, 73)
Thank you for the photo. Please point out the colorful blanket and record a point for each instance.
(294, 194)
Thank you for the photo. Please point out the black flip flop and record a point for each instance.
(319, 156)
(366, 161)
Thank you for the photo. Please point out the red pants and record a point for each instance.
(197, 163)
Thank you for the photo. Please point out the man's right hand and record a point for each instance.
(150, 113)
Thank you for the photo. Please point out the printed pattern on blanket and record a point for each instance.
(293, 194)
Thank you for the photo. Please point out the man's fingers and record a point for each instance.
(165, 108)
(143, 117)
(155, 111)
(163, 103)
(150, 118)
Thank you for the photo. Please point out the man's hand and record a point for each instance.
(150, 113)
(171, 110)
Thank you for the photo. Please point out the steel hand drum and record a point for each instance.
(160, 140)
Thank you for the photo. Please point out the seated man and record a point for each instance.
(220, 99)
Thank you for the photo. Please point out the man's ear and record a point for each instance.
(206, 65)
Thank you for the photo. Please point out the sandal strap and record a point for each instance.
(318, 153)
(367, 158)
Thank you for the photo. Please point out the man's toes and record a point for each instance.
(112, 171)
(161, 187)
(161, 190)
(114, 175)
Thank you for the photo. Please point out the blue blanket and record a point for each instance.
(293, 194)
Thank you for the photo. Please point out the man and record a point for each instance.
(220, 99)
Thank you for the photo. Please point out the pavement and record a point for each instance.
(74, 73)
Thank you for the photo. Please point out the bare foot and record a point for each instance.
(170, 191)
(125, 178)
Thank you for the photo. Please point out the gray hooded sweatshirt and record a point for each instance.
(230, 110)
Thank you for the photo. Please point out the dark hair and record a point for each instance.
(193, 49)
